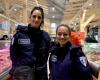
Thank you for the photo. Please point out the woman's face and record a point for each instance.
(36, 19)
(62, 35)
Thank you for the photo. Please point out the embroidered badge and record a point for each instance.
(53, 58)
(23, 41)
(83, 60)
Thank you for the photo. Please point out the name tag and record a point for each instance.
(23, 41)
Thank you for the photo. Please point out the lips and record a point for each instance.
(62, 39)
(35, 23)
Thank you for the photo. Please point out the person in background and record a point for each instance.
(29, 49)
(67, 62)
(4, 37)
(90, 39)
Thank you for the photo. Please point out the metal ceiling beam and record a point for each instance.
(56, 6)
(83, 7)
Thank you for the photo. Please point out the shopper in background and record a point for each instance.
(4, 37)
(67, 62)
(90, 39)
(29, 49)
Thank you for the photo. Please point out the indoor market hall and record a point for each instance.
(37, 38)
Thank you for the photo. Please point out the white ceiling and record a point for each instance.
(66, 11)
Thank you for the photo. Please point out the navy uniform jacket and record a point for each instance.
(27, 49)
(73, 65)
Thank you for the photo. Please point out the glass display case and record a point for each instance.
(92, 51)
(5, 62)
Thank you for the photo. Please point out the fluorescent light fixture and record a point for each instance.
(85, 10)
(53, 25)
(15, 9)
(53, 16)
(90, 4)
(53, 8)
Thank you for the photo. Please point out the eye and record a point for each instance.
(39, 17)
(59, 34)
(35, 16)
(65, 35)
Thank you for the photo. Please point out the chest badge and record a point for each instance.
(23, 41)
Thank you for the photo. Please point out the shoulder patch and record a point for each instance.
(83, 60)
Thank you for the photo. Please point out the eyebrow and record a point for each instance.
(36, 16)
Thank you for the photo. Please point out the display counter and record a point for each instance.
(92, 51)
(5, 62)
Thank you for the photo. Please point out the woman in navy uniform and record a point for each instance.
(67, 62)
(30, 49)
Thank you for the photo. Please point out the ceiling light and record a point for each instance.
(85, 10)
(15, 9)
(90, 4)
(53, 8)
(53, 16)
(53, 25)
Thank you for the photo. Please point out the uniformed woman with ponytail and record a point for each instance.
(67, 62)
(29, 49)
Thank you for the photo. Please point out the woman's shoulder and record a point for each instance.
(75, 47)
(53, 47)
(22, 28)
(46, 35)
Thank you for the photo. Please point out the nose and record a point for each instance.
(62, 36)
(36, 19)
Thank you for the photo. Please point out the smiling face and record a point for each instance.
(62, 35)
(36, 19)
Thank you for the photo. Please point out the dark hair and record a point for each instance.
(5, 36)
(64, 26)
(41, 10)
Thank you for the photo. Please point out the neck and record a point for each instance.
(62, 45)
(34, 27)
(66, 44)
